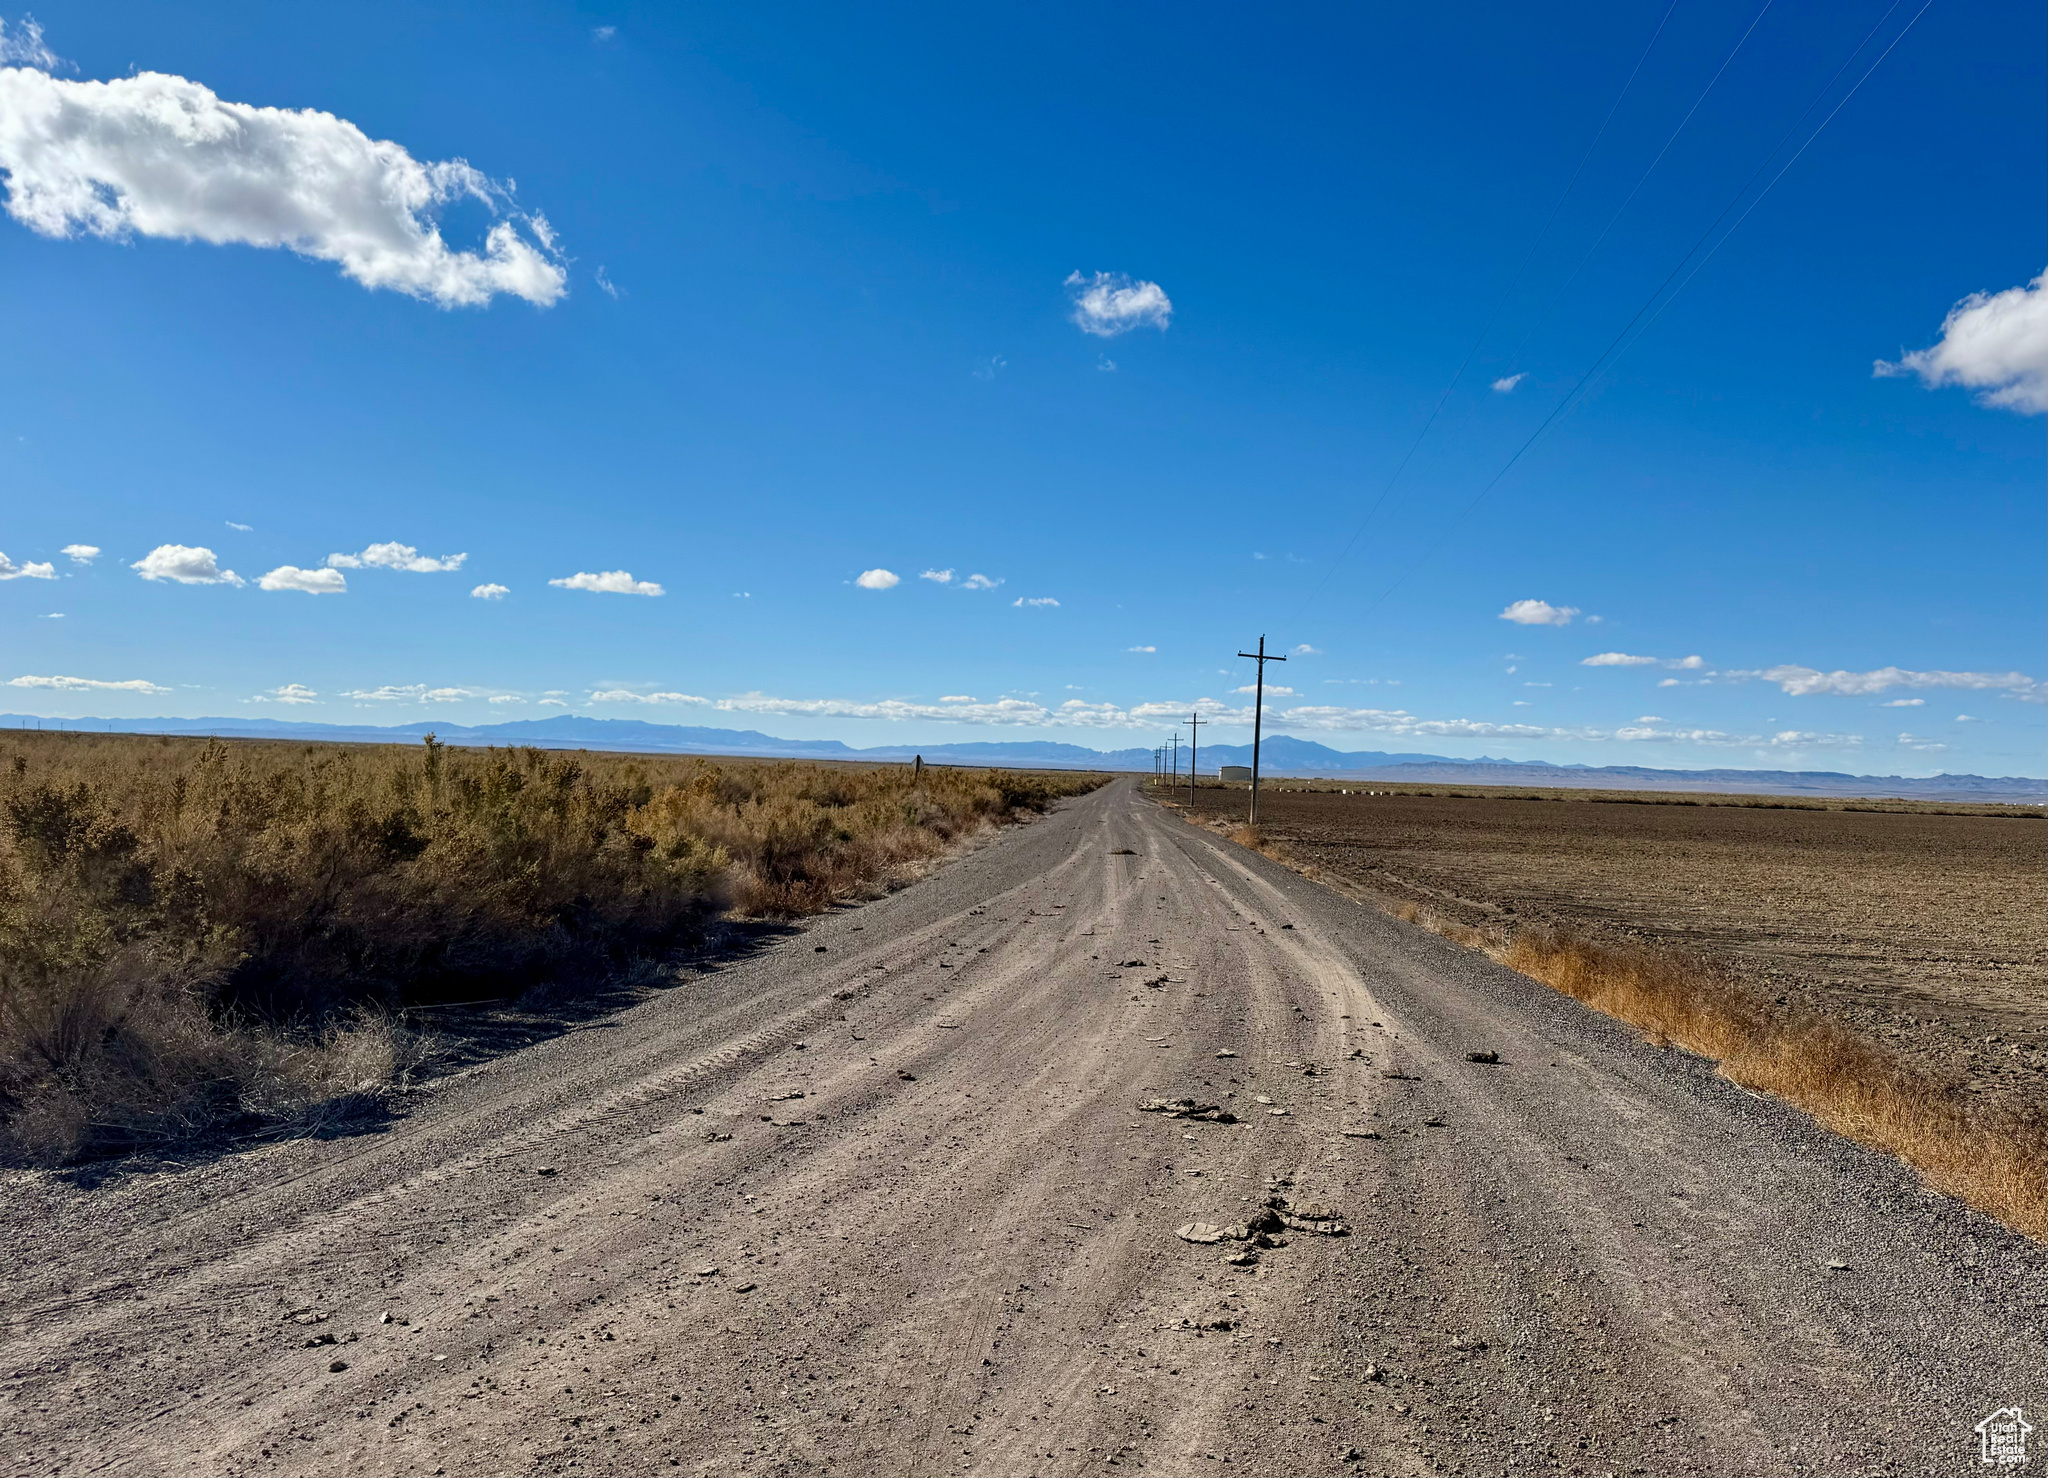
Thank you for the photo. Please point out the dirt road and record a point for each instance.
(956, 1251)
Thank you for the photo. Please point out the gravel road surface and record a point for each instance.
(881, 1200)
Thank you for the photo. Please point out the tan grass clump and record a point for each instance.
(193, 933)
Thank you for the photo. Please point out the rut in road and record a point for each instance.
(882, 1201)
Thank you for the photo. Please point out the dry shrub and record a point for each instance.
(193, 933)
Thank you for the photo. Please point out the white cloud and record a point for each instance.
(289, 693)
(1964, 718)
(1717, 739)
(82, 554)
(311, 582)
(1141, 649)
(490, 592)
(1505, 385)
(604, 33)
(957, 698)
(240, 528)
(26, 47)
(1109, 303)
(979, 582)
(878, 580)
(1305, 650)
(163, 156)
(86, 685)
(506, 698)
(553, 703)
(1273, 690)
(938, 577)
(610, 582)
(1538, 613)
(1034, 600)
(396, 557)
(1924, 746)
(989, 368)
(1802, 682)
(33, 570)
(1904, 703)
(187, 564)
(1617, 659)
(1995, 343)
(627, 695)
(1650, 718)
(605, 285)
(410, 693)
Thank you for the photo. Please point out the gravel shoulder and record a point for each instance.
(635, 1248)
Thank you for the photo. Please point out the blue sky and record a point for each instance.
(1132, 314)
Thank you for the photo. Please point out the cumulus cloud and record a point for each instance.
(1538, 613)
(157, 155)
(956, 698)
(610, 582)
(1641, 733)
(188, 564)
(81, 554)
(938, 577)
(1505, 385)
(396, 557)
(1141, 649)
(979, 582)
(1034, 600)
(1305, 650)
(878, 580)
(1904, 703)
(1617, 659)
(1109, 303)
(490, 592)
(1802, 682)
(311, 582)
(1993, 343)
(506, 698)
(87, 685)
(33, 570)
(1273, 690)
(289, 693)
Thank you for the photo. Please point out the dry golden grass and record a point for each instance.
(1990, 1158)
(194, 933)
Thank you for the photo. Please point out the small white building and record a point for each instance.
(1235, 772)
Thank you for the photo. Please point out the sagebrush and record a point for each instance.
(194, 931)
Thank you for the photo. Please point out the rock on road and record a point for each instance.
(634, 1249)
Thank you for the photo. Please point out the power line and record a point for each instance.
(1494, 317)
(1573, 275)
(1608, 356)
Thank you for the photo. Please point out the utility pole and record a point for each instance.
(1194, 751)
(1176, 761)
(1258, 713)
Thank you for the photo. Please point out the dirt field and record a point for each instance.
(1925, 928)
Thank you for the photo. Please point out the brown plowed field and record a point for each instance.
(1926, 929)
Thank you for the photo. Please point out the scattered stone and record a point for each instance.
(1432, 1123)
(1155, 982)
(1308, 1216)
(1130, 964)
(336, 1367)
(1374, 1373)
(842, 995)
(1355, 1054)
(709, 1270)
(385, 1317)
(1311, 1070)
(1206, 1233)
(716, 1138)
(1260, 1098)
(783, 1097)
(1122, 852)
(1351, 1455)
(1487, 1057)
(1836, 1265)
(1287, 926)
(1277, 1113)
(818, 949)
(1467, 1342)
(1188, 1108)
(1244, 1257)
(746, 1288)
(908, 1077)
(1401, 1077)
(545, 1170)
(1361, 1133)
(1226, 1054)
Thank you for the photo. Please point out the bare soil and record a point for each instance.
(1922, 928)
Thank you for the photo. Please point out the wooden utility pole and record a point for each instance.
(1176, 762)
(1194, 751)
(1258, 714)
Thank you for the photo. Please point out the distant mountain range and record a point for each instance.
(1281, 755)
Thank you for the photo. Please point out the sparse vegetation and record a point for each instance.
(194, 933)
